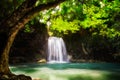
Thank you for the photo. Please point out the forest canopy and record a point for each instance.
(99, 17)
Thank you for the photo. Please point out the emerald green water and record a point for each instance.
(69, 71)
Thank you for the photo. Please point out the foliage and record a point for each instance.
(100, 17)
(63, 26)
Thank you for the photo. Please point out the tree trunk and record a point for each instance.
(4, 65)
(4, 59)
(17, 21)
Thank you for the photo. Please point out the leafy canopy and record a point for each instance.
(100, 17)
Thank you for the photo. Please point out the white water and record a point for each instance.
(57, 50)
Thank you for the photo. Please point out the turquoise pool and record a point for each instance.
(69, 71)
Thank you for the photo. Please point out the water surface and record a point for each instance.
(69, 71)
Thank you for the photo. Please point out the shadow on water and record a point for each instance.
(104, 71)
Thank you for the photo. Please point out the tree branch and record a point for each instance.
(26, 13)
(18, 13)
(35, 11)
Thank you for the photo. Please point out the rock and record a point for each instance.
(42, 61)
(4, 77)
(15, 77)
(21, 77)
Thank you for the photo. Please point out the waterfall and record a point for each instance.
(56, 50)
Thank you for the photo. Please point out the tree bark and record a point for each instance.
(15, 22)
(4, 65)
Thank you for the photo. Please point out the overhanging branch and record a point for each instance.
(26, 6)
(23, 17)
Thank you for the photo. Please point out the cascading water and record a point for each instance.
(56, 50)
